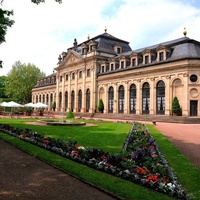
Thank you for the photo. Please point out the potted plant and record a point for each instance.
(176, 109)
(101, 106)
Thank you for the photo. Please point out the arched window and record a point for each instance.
(121, 99)
(145, 98)
(51, 100)
(87, 100)
(66, 100)
(39, 98)
(160, 98)
(47, 99)
(79, 100)
(43, 98)
(132, 100)
(110, 99)
(72, 100)
(60, 100)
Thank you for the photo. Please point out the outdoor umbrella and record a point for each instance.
(30, 105)
(13, 104)
(41, 105)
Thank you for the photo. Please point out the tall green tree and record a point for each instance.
(21, 79)
(3, 81)
(6, 22)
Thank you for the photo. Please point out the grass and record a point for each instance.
(109, 137)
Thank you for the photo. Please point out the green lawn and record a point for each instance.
(109, 137)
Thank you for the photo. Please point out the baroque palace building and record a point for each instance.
(137, 82)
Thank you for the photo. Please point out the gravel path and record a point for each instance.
(23, 177)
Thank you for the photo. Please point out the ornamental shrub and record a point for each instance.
(54, 106)
(101, 105)
(70, 115)
(176, 109)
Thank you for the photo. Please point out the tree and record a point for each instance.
(6, 22)
(3, 80)
(70, 115)
(21, 79)
(54, 106)
(101, 105)
(176, 109)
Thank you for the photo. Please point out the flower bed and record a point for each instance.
(140, 160)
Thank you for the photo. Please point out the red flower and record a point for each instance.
(152, 178)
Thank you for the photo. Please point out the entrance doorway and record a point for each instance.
(193, 108)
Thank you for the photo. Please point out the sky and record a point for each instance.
(42, 32)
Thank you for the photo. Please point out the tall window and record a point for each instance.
(112, 67)
(47, 99)
(88, 72)
(43, 98)
(66, 100)
(110, 99)
(132, 102)
(72, 100)
(66, 77)
(160, 98)
(37, 99)
(60, 100)
(73, 75)
(80, 74)
(87, 100)
(145, 98)
(79, 100)
(121, 99)
(51, 100)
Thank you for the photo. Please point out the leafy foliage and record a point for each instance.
(54, 106)
(176, 106)
(21, 79)
(5, 22)
(3, 80)
(70, 115)
(101, 105)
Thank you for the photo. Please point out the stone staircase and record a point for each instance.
(131, 117)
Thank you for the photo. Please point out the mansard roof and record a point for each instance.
(180, 48)
(106, 43)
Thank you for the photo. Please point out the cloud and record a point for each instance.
(42, 32)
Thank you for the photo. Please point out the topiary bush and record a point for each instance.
(176, 108)
(70, 115)
(101, 106)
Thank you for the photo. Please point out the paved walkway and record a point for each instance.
(23, 177)
(186, 137)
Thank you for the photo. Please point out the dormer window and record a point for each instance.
(118, 49)
(161, 56)
(163, 53)
(133, 62)
(112, 67)
(146, 60)
(122, 64)
(102, 68)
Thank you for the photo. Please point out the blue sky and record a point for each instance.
(42, 32)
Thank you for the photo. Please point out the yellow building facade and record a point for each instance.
(135, 82)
